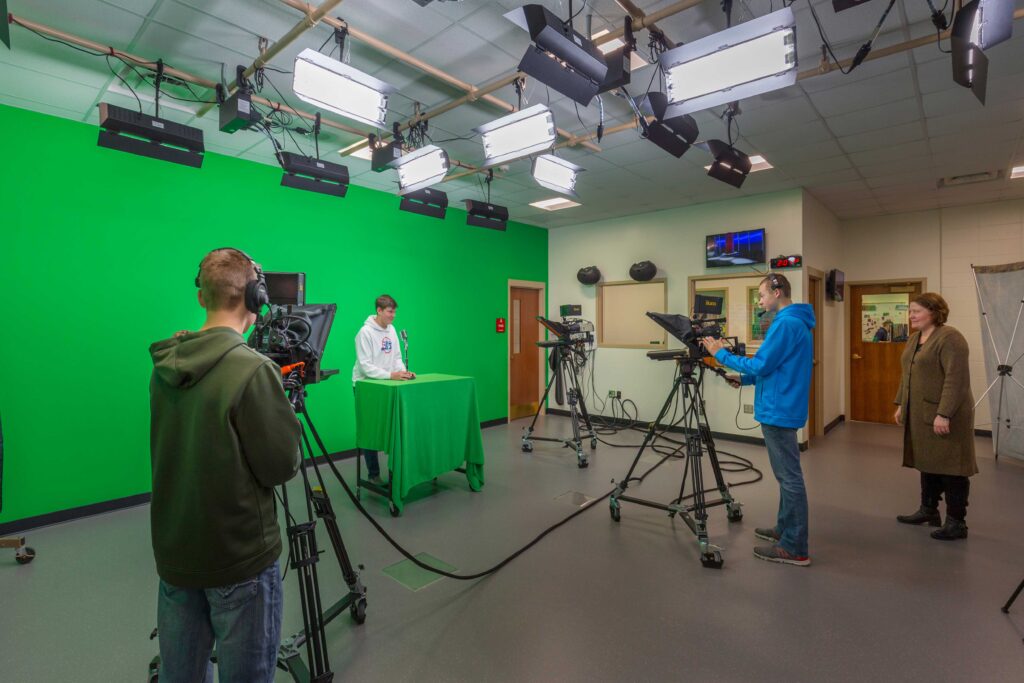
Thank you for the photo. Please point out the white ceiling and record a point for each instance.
(872, 142)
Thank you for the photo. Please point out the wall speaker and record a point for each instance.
(589, 275)
(643, 271)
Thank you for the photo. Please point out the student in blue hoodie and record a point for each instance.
(781, 373)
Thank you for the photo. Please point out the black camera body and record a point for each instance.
(294, 337)
(570, 330)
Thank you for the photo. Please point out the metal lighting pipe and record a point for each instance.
(638, 14)
(649, 20)
(828, 67)
(309, 21)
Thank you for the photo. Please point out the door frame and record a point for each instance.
(818, 377)
(541, 287)
(846, 324)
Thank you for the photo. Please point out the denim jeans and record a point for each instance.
(244, 619)
(784, 455)
(371, 457)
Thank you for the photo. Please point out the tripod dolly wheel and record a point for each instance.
(358, 610)
(581, 460)
(593, 442)
(712, 560)
(527, 447)
(25, 555)
(615, 512)
(393, 509)
(735, 515)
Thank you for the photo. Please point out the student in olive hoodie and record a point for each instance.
(781, 371)
(223, 434)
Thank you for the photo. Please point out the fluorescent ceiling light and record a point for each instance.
(518, 135)
(332, 85)
(992, 23)
(555, 203)
(557, 175)
(746, 60)
(363, 151)
(1017, 172)
(636, 61)
(757, 163)
(420, 169)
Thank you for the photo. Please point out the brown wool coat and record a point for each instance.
(937, 382)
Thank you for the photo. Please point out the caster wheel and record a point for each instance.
(26, 556)
(735, 516)
(393, 509)
(712, 560)
(581, 462)
(593, 443)
(527, 447)
(358, 610)
(616, 514)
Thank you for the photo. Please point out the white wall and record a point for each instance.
(823, 250)
(675, 241)
(940, 245)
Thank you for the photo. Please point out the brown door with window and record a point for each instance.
(814, 299)
(878, 332)
(524, 354)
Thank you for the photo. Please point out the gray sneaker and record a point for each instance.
(773, 553)
(770, 535)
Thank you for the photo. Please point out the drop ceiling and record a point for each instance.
(873, 142)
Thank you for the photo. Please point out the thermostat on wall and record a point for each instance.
(794, 261)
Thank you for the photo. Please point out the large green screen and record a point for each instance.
(97, 258)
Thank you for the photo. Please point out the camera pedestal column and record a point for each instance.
(698, 441)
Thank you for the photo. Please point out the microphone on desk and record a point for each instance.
(404, 336)
(405, 340)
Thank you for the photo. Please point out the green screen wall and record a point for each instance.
(98, 251)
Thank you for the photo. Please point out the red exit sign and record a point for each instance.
(499, 325)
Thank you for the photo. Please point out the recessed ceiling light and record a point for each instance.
(757, 163)
(635, 60)
(1017, 172)
(363, 152)
(554, 204)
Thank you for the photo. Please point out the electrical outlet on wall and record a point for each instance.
(748, 409)
(614, 393)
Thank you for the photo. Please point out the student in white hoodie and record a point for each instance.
(378, 356)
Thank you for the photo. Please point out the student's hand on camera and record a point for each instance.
(898, 416)
(941, 425)
(733, 381)
(713, 345)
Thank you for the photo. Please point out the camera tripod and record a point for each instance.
(303, 557)
(688, 385)
(563, 373)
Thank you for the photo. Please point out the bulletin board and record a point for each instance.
(622, 308)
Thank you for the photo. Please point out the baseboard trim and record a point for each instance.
(496, 422)
(620, 422)
(983, 432)
(27, 523)
(835, 423)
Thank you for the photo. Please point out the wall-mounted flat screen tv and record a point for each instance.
(743, 248)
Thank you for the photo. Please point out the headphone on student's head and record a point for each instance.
(256, 295)
(773, 281)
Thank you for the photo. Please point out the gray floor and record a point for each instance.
(595, 600)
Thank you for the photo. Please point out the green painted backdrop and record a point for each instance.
(98, 251)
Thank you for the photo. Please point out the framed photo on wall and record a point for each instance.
(757, 327)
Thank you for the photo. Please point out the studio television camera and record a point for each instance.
(707, 321)
(293, 333)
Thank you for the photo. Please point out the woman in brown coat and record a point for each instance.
(936, 406)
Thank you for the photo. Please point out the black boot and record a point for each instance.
(953, 530)
(922, 516)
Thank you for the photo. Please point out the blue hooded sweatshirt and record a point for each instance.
(781, 368)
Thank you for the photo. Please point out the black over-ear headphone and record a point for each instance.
(773, 281)
(256, 296)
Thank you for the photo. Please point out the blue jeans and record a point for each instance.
(244, 619)
(372, 463)
(784, 455)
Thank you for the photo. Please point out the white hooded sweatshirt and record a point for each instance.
(377, 352)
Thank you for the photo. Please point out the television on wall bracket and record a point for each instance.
(744, 248)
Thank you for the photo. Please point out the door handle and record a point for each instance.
(856, 356)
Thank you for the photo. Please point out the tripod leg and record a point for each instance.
(734, 510)
(527, 445)
(583, 409)
(1009, 603)
(577, 442)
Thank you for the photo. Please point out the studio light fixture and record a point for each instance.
(1017, 172)
(755, 57)
(517, 135)
(730, 165)
(305, 173)
(426, 202)
(555, 204)
(150, 136)
(757, 163)
(978, 25)
(673, 134)
(560, 57)
(557, 175)
(485, 214)
(421, 168)
(337, 87)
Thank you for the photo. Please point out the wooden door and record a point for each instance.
(877, 340)
(814, 299)
(524, 354)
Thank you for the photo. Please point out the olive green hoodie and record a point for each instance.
(222, 435)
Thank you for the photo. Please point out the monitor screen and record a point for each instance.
(744, 248)
(286, 288)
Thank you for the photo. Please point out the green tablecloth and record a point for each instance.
(427, 426)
